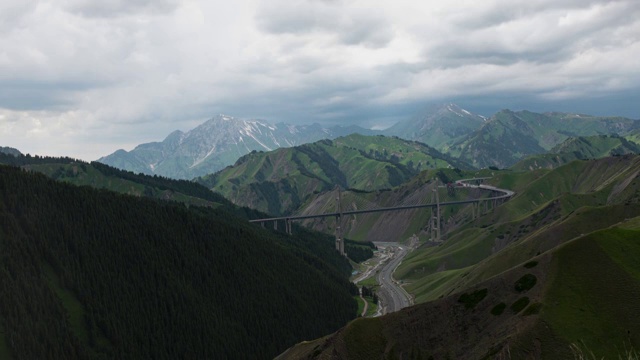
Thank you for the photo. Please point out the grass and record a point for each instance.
(582, 352)
(85, 174)
(467, 248)
(364, 339)
(594, 289)
(360, 305)
(435, 285)
(372, 309)
(370, 282)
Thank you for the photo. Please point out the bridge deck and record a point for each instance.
(505, 195)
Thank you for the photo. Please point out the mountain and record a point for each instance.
(552, 273)
(509, 136)
(217, 143)
(10, 151)
(584, 147)
(438, 126)
(101, 176)
(88, 273)
(279, 181)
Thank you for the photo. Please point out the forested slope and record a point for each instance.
(86, 273)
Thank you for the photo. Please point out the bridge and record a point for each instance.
(496, 196)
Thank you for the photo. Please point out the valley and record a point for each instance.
(391, 293)
(486, 261)
(319, 180)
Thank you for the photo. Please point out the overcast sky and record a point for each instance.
(84, 78)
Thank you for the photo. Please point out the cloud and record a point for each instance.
(347, 25)
(78, 74)
(115, 8)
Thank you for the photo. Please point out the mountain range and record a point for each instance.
(498, 141)
(217, 143)
(579, 148)
(551, 273)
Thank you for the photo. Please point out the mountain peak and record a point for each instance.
(216, 143)
(438, 124)
(10, 151)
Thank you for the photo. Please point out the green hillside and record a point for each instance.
(554, 268)
(100, 176)
(278, 182)
(501, 141)
(580, 148)
(539, 217)
(397, 225)
(578, 299)
(508, 136)
(88, 273)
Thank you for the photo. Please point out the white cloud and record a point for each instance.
(84, 78)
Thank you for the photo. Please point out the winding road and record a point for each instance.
(392, 296)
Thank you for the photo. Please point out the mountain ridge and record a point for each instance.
(498, 141)
(279, 181)
(216, 143)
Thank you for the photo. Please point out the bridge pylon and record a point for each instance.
(435, 216)
(339, 238)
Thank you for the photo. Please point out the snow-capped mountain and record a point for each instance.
(217, 143)
(438, 125)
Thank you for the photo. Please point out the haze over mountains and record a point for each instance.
(499, 141)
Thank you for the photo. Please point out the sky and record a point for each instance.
(83, 78)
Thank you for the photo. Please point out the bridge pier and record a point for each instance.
(496, 197)
(473, 211)
(288, 226)
(435, 217)
(339, 239)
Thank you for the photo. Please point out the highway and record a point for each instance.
(392, 296)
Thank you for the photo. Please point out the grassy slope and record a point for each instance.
(553, 208)
(83, 174)
(584, 293)
(280, 181)
(593, 294)
(510, 136)
(591, 147)
(395, 226)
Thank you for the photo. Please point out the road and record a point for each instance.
(392, 296)
(366, 304)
